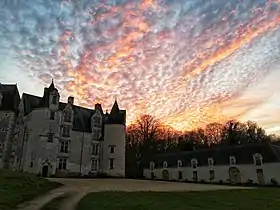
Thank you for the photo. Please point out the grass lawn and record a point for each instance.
(17, 187)
(254, 199)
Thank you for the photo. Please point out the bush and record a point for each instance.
(274, 182)
(221, 182)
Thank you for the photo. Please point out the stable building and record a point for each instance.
(258, 164)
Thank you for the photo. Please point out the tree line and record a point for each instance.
(148, 136)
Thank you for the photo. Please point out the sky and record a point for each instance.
(186, 62)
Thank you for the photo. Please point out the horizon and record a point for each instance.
(225, 66)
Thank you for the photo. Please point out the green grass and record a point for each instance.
(249, 199)
(16, 188)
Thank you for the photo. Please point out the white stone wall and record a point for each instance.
(270, 170)
(7, 120)
(75, 151)
(37, 149)
(114, 135)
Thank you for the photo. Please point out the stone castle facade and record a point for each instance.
(42, 135)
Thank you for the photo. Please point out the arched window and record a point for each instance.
(232, 160)
(194, 163)
(165, 165)
(179, 164)
(258, 160)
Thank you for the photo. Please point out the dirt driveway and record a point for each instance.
(78, 188)
(95, 185)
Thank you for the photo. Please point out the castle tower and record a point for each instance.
(113, 157)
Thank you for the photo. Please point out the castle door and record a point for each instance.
(45, 171)
(234, 175)
(165, 175)
(260, 176)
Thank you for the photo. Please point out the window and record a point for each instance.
(165, 165)
(258, 159)
(52, 115)
(95, 149)
(111, 163)
(96, 121)
(112, 149)
(50, 137)
(94, 164)
(3, 130)
(179, 164)
(212, 175)
(210, 162)
(194, 163)
(62, 163)
(96, 134)
(66, 131)
(31, 164)
(54, 100)
(152, 166)
(232, 160)
(67, 116)
(64, 146)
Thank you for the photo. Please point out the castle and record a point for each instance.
(44, 136)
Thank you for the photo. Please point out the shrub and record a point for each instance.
(274, 182)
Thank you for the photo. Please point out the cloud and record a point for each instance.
(177, 60)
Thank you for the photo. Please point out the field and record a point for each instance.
(251, 199)
(17, 187)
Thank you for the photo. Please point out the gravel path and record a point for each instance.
(80, 187)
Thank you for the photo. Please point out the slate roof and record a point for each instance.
(242, 154)
(11, 97)
(82, 116)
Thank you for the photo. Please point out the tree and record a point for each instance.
(255, 134)
(213, 133)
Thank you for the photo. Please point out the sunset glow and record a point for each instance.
(186, 62)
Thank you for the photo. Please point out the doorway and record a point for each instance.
(165, 175)
(45, 171)
(260, 176)
(195, 177)
(234, 175)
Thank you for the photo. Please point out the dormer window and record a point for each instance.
(258, 160)
(232, 160)
(54, 99)
(210, 162)
(66, 131)
(67, 116)
(179, 164)
(194, 163)
(165, 165)
(96, 121)
(152, 166)
(96, 134)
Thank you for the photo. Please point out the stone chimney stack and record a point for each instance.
(98, 106)
(71, 100)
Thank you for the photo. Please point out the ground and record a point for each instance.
(253, 199)
(18, 187)
(166, 195)
(78, 188)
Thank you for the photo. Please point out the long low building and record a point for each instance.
(258, 164)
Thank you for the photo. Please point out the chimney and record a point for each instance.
(97, 106)
(71, 100)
